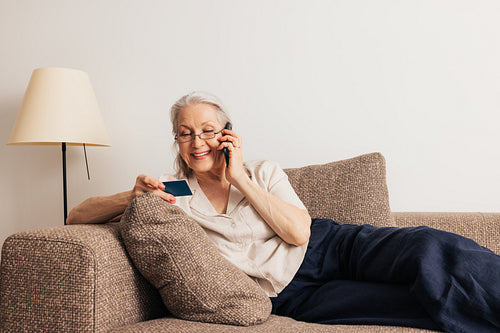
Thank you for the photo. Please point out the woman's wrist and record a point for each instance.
(130, 196)
(242, 182)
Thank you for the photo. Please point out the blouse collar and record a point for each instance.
(200, 202)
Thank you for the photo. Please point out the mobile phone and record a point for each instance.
(225, 150)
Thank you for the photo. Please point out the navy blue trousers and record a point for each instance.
(417, 277)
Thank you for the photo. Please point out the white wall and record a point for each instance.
(306, 82)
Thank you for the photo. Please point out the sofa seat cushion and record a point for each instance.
(195, 282)
(275, 324)
(352, 191)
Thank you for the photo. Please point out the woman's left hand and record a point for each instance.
(232, 141)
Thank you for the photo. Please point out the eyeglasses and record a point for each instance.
(205, 135)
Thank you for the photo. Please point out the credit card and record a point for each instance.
(177, 188)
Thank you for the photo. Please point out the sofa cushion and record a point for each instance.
(196, 283)
(352, 191)
(275, 324)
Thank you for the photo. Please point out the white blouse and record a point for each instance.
(241, 235)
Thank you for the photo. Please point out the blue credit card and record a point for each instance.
(177, 188)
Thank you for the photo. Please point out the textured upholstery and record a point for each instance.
(348, 191)
(30, 296)
(275, 324)
(484, 228)
(80, 279)
(74, 277)
(196, 283)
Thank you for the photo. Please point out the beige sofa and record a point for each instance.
(80, 278)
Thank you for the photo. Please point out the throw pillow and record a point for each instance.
(174, 253)
(352, 191)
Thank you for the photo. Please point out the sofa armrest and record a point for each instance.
(75, 278)
(484, 228)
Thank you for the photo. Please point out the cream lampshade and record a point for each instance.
(59, 107)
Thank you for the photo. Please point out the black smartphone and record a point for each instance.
(225, 150)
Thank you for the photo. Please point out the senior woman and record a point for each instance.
(314, 270)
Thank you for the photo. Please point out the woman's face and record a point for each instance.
(200, 155)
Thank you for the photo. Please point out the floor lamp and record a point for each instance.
(59, 108)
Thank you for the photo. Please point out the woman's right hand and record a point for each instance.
(144, 184)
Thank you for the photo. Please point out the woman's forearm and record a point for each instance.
(100, 209)
(110, 208)
(291, 223)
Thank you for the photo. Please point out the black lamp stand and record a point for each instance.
(65, 187)
(65, 191)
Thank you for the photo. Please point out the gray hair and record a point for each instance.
(195, 97)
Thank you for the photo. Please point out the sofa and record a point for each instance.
(80, 278)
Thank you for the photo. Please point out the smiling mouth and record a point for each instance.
(201, 154)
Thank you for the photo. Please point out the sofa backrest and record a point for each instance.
(351, 191)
